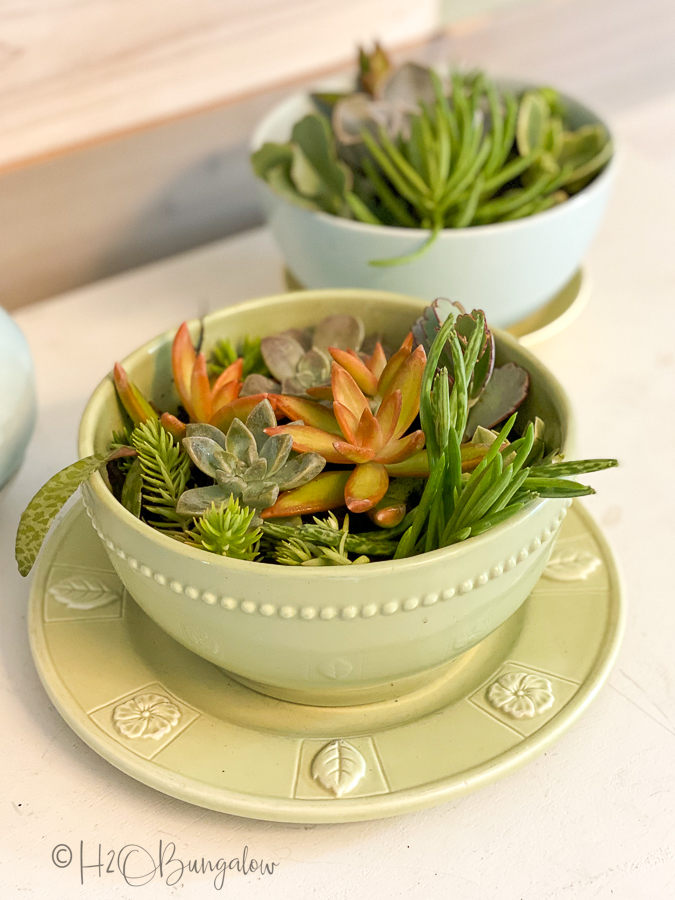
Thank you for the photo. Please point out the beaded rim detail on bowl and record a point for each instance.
(347, 613)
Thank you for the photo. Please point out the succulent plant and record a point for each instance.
(299, 359)
(297, 551)
(226, 529)
(137, 407)
(493, 393)
(409, 148)
(217, 404)
(245, 463)
(164, 469)
(368, 441)
(374, 67)
(231, 492)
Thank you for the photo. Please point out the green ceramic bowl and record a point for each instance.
(509, 269)
(324, 636)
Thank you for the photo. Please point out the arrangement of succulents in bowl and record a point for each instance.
(326, 481)
(407, 180)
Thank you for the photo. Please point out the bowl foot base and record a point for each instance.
(378, 693)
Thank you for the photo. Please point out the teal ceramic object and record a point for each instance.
(324, 636)
(17, 382)
(508, 269)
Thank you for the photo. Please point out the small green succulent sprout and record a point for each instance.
(245, 463)
(300, 360)
(297, 551)
(226, 530)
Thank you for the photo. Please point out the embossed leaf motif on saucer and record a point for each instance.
(86, 592)
(338, 767)
(146, 716)
(572, 567)
(520, 695)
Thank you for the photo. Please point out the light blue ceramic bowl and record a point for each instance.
(508, 269)
(17, 383)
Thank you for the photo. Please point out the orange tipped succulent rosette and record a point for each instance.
(374, 404)
(216, 404)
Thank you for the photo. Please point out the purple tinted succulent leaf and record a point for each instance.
(345, 332)
(408, 86)
(302, 335)
(503, 394)
(258, 384)
(358, 111)
(313, 368)
(427, 326)
(293, 387)
(281, 353)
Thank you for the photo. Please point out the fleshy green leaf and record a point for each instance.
(270, 156)
(132, 491)
(314, 136)
(46, 504)
(203, 453)
(533, 122)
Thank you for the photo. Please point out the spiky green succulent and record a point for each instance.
(493, 393)
(245, 463)
(411, 148)
(164, 469)
(226, 530)
(297, 551)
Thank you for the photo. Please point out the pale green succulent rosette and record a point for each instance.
(245, 463)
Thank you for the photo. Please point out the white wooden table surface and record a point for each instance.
(595, 816)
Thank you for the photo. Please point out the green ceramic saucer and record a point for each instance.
(177, 723)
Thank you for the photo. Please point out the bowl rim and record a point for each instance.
(97, 485)
(576, 200)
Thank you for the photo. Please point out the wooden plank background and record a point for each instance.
(75, 71)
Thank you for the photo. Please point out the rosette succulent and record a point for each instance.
(246, 463)
(369, 441)
(226, 530)
(217, 404)
(299, 359)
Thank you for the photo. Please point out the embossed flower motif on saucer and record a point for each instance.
(520, 695)
(146, 716)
